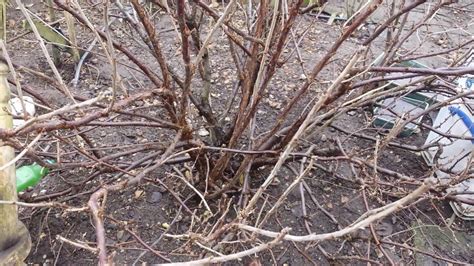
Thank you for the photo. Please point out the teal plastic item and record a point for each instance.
(29, 175)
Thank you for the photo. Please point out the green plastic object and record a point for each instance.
(29, 175)
(403, 106)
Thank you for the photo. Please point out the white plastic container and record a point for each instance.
(456, 155)
(17, 109)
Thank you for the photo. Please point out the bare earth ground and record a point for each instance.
(150, 209)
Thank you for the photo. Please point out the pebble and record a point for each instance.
(155, 197)
(138, 193)
(131, 214)
(274, 104)
(324, 138)
(203, 132)
(120, 234)
(351, 112)
(83, 216)
(111, 226)
(384, 229)
(11, 23)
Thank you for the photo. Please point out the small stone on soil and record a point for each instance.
(83, 216)
(352, 113)
(155, 197)
(138, 193)
(274, 104)
(324, 138)
(131, 213)
(203, 132)
(344, 199)
(120, 234)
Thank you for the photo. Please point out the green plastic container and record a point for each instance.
(29, 175)
(409, 107)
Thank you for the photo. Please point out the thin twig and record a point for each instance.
(397, 205)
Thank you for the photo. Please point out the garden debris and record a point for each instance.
(138, 193)
(389, 111)
(345, 10)
(453, 153)
(165, 225)
(17, 109)
(29, 175)
(428, 97)
(330, 17)
(52, 35)
(203, 132)
(155, 197)
(449, 155)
